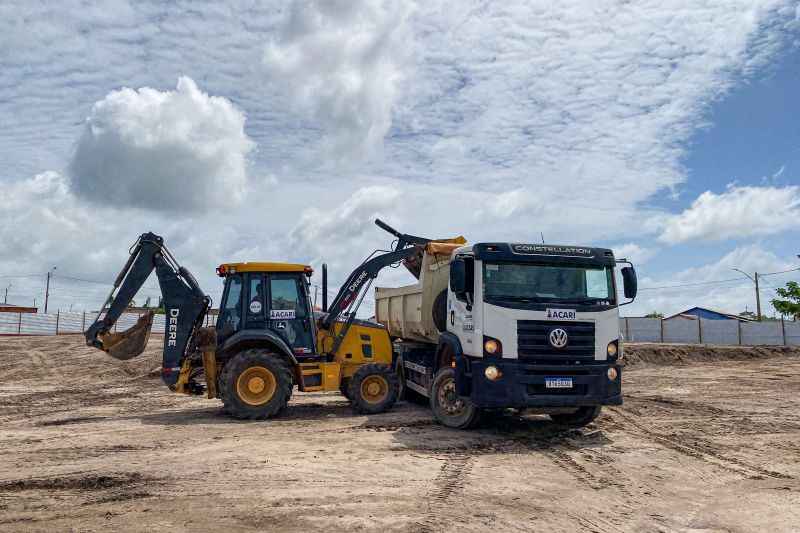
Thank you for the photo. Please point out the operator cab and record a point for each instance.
(268, 296)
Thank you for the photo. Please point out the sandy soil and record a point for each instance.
(92, 444)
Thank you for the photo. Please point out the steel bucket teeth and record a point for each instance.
(130, 343)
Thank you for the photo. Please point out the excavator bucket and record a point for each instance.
(130, 343)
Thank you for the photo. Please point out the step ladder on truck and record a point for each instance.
(497, 325)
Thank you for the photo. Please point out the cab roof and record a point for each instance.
(234, 268)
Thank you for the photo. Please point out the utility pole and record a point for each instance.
(758, 293)
(758, 299)
(5, 300)
(47, 290)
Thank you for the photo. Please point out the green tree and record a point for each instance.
(161, 310)
(654, 314)
(748, 314)
(791, 305)
(147, 303)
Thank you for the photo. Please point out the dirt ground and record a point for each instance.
(88, 443)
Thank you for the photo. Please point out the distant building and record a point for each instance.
(696, 313)
(11, 308)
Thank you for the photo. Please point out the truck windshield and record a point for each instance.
(539, 283)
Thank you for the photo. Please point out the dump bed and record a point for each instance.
(407, 311)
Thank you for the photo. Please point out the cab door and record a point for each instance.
(255, 304)
(288, 313)
(460, 308)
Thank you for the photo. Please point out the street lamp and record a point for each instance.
(5, 300)
(758, 294)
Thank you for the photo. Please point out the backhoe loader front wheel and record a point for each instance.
(255, 384)
(344, 388)
(373, 389)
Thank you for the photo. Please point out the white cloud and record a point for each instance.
(681, 290)
(739, 212)
(172, 151)
(336, 233)
(563, 118)
(507, 204)
(340, 63)
(634, 253)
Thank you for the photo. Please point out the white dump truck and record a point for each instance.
(507, 325)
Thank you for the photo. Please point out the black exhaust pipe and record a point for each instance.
(324, 287)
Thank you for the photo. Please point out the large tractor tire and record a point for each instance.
(373, 389)
(344, 388)
(449, 410)
(583, 416)
(255, 384)
(439, 311)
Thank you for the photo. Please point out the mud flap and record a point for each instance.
(129, 343)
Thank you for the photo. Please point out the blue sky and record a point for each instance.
(279, 131)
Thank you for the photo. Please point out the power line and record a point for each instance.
(781, 272)
(691, 284)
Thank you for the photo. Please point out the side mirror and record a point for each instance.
(458, 276)
(629, 282)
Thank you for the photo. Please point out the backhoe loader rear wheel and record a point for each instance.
(373, 388)
(255, 384)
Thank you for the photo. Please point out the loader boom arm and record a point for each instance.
(185, 303)
(360, 279)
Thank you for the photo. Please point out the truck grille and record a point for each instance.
(533, 340)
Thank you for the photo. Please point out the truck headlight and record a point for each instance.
(492, 346)
(492, 373)
(612, 349)
(612, 373)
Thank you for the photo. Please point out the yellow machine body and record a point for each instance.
(363, 343)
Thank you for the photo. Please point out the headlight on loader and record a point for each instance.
(492, 373)
(612, 374)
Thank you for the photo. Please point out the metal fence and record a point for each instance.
(702, 331)
(71, 323)
(783, 333)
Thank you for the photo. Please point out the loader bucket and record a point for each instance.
(129, 343)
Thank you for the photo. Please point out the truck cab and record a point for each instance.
(528, 326)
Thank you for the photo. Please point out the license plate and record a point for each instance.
(558, 383)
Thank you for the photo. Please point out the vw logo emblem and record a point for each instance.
(558, 338)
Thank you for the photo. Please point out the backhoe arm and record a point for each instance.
(185, 305)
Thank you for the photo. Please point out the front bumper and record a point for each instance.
(523, 385)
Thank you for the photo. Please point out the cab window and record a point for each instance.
(255, 303)
(229, 317)
(285, 294)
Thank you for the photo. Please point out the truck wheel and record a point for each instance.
(256, 385)
(439, 311)
(373, 389)
(449, 410)
(582, 417)
(344, 388)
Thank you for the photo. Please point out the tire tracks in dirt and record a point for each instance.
(700, 449)
(447, 487)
